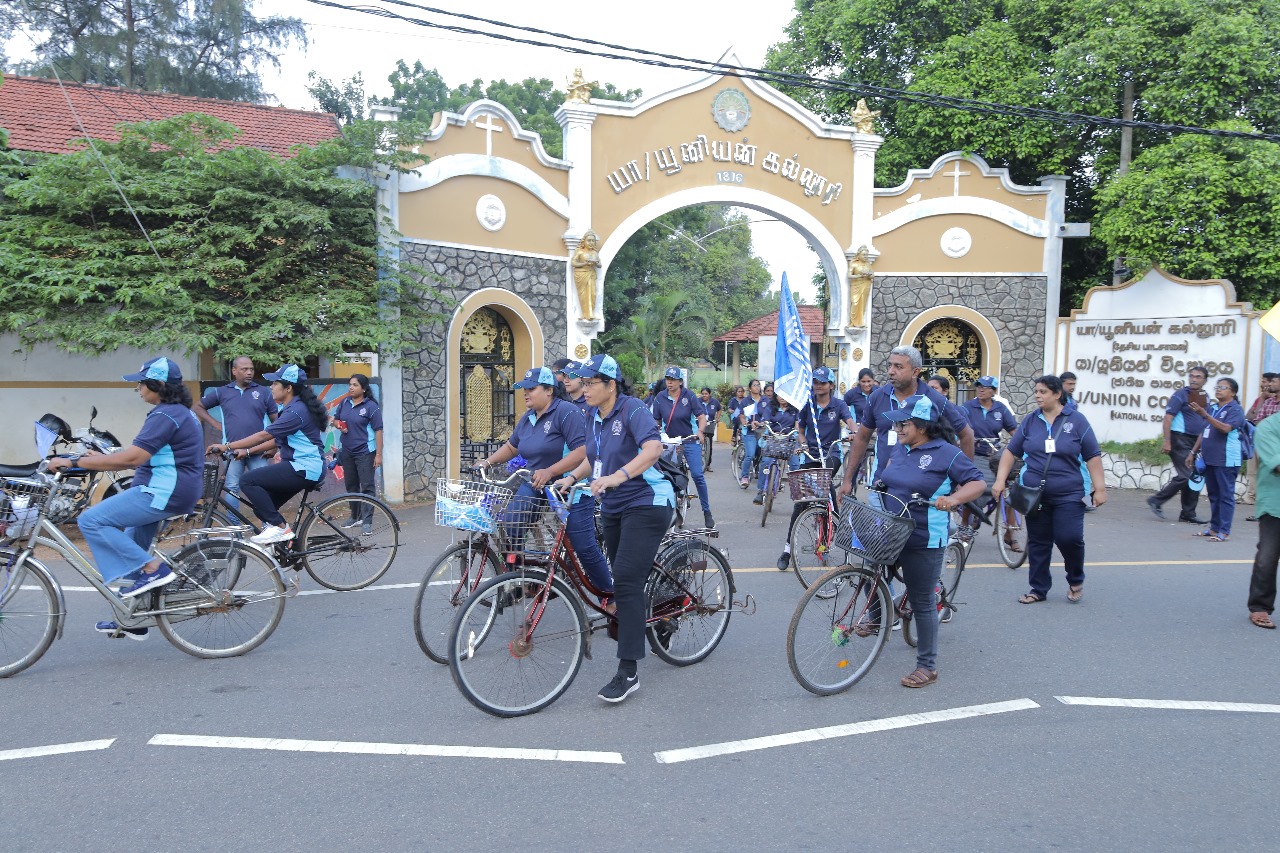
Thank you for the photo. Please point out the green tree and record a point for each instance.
(243, 253)
(346, 99)
(1201, 208)
(208, 48)
(655, 332)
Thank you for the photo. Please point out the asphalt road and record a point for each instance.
(989, 758)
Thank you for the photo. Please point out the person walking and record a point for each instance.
(753, 410)
(1264, 406)
(246, 408)
(679, 415)
(296, 433)
(1181, 427)
(1056, 444)
(1219, 447)
(636, 503)
(711, 408)
(168, 468)
(358, 419)
(1262, 583)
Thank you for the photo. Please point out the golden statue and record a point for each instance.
(864, 118)
(580, 89)
(859, 287)
(586, 266)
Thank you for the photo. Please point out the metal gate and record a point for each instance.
(487, 404)
(952, 348)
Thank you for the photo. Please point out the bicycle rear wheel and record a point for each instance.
(834, 640)
(346, 558)
(446, 586)
(28, 613)
(770, 486)
(689, 596)
(953, 560)
(1011, 538)
(517, 643)
(227, 600)
(812, 552)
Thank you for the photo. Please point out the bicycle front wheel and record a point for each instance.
(517, 643)
(835, 638)
(739, 453)
(811, 547)
(689, 596)
(1011, 537)
(346, 558)
(227, 600)
(450, 581)
(953, 559)
(28, 613)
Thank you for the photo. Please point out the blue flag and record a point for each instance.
(792, 371)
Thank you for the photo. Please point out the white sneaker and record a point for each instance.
(271, 534)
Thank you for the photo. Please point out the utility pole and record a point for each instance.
(1119, 271)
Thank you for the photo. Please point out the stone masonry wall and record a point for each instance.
(538, 281)
(1014, 305)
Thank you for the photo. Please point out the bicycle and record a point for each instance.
(519, 640)
(1007, 524)
(673, 457)
(843, 620)
(778, 448)
(336, 553)
(954, 559)
(228, 597)
(812, 537)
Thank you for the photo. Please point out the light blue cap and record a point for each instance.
(160, 369)
(923, 410)
(290, 373)
(537, 376)
(597, 365)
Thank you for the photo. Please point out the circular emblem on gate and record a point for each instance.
(580, 352)
(491, 212)
(857, 353)
(731, 110)
(956, 242)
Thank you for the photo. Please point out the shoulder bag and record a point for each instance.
(1026, 499)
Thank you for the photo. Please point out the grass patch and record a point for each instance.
(1146, 451)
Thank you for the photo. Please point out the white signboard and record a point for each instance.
(1131, 347)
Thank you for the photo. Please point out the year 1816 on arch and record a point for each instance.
(729, 178)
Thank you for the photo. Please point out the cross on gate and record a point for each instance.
(956, 174)
(489, 127)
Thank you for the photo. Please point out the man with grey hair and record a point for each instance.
(247, 407)
(903, 389)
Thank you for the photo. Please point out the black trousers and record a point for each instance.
(270, 487)
(1262, 586)
(1180, 445)
(631, 541)
(358, 475)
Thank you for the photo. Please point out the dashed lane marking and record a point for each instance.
(55, 749)
(673, 756)
(1170, 704)
(413, 749)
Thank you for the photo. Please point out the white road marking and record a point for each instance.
(673, 756)
(1171, 704)
(358, 748)
(364, 589)
(55, 749)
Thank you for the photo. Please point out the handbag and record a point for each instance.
(1025, 499)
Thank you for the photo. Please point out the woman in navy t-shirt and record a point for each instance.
(1219, 446)
(359, 420)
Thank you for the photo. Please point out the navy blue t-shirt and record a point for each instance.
(244, 412)
(857, 401)
(830, 419)
(876, 417)
(1074, 445)
(1184, 420)
(760, 413)
(300, 443)
(931, 470)
(1223, 448)
(678, 418)
(362, 420)
(614, 441)
(711, 409)
(543, 440)
(173, 436)
(988, 423)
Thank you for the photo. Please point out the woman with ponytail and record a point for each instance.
(297, 433)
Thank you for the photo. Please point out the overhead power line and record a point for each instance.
(606, 50)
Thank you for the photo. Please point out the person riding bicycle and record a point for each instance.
(551, 438)
(711, 408)
(679, 414)
(753, 410)
(296, 432)
(572, 387)
(246, 408)
(988, 417)
(781, 421)
(636, 507)
(926, 463)
(166, 482)
(821, 434)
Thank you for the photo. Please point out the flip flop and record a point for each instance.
(1206, 533)
(1075, 593)
(1261, 619)
(1030, 598)
(1216, 537)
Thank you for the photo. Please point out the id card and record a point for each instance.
(1206, 432)
(892, 437)
(1049, 445)
(595, 471)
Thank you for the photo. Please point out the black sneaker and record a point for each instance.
(784, 561)
(1191, 519)
(620, 688)
(1155, 507)
(708, 520)
(759, 499)
(115, 632)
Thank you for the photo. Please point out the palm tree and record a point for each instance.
(658, 325)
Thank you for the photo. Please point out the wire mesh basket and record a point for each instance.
(873, 533)
(469, 505)
(209, 482)
(20, 503)
(527, 529)
(809, 484)
(779, 448)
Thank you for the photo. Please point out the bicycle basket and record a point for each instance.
(527, 529)
(809, 484)
(466, 505)
(20, 504)
(779, 448)
(209, 482)
(873, 534)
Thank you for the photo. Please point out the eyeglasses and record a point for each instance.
(591, 383)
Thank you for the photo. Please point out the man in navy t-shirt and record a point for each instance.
(246, 407)
(680, 415)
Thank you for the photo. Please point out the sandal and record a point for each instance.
(920, 678)
(1206, 533)
(1012, 546)
(1217, 537)
(1030, 598)
(866, 629)
(1261, 619)
(1075, 593)
(608, 605)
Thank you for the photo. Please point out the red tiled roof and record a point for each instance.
(811, 318)
(38, 117)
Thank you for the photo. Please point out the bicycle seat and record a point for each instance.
(19, 470)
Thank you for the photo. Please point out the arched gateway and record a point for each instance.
(500, 222)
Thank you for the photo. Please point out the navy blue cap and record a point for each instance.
(674, 373)
(160, 369)
(597, 365)
(824, 374)
(988, 382)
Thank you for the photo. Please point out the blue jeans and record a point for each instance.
(749, 444)
(921, 569)
(235, 468)
(1220, 483)
(581, 529)
(1059, 521)
(693, 456)
(119, 531)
